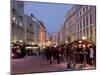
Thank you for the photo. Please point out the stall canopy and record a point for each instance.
(35, 46)
(80, 41)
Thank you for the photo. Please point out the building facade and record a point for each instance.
(25, 28)
(80, 22)
(62, 39)
(29, 29)
(55, 38)
(36, 32)
(42, 34)
(39, 31)
(17, 21)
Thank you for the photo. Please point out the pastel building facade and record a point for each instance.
(17, 20)
(80, 22)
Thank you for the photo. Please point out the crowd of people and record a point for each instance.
(71, 54)
(18, 51)
(54, 53)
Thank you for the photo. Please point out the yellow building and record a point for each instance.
(42, 34)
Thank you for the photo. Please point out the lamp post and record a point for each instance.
(20, 41)
(20, 24)
(84, 38)
(66, 42)
(14, 19)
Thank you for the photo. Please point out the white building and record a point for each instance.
(25, 28)
(55, 38)
(62, 36)
(29, 29)
(17, 21)
(80, 22)
(36, 32)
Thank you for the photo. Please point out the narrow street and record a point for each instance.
(69, 37)
(34, 64)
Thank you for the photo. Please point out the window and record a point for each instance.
(13, 23)
(90, 19)
(87, 20)
(78, 27)
(80, 24)
(83, 9)
(84, 22)
(87, 32)
(21, 17)
(70, 22)
(86, 7)
(91, 32)
(80, 12)
(27, 30)
(14, 11)
(80, 34)
(20, 24)
(30, 24)
(83, 32)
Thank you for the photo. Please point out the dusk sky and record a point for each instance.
(52, 15)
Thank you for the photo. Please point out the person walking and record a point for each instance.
(91, 55)
(62, 54)
(18, 52)
(94, 60)
(69, 56)
(82, 54)
(87, 56)
(78, 55)
(59, 55)
(49, 54)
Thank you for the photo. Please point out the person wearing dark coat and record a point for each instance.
(82, 55)
(87, 56)
(69, 55)
(94, 60)
(62, 54)
(78, 55)
(91, 55)
(58, 55)
(54, 53)
(49, 54)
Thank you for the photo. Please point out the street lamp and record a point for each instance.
(83, 37)
(33, 43)
(55, 45)
(20, 24)
(16, 22)
(80, 41)
(20, 41)
(66, 41)
(13, 18)
(48, 43)
(14, 41)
